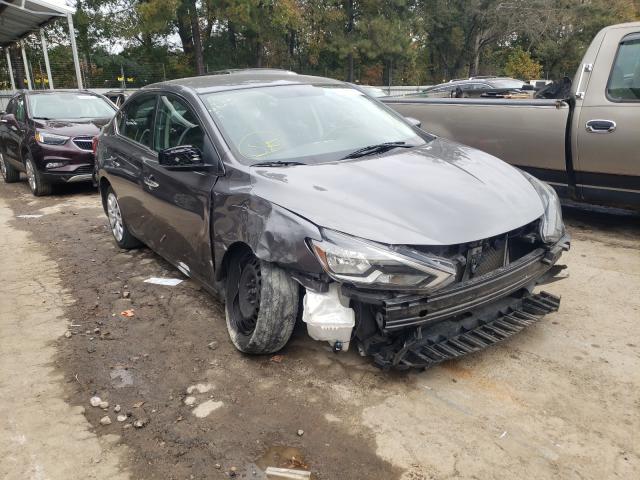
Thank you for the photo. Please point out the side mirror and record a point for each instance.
(10, 119)
(413, 121)
(185, 157)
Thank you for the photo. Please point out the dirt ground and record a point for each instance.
(559, 400)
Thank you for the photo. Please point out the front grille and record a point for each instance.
(83, 169)
(489, 256)
(84, 143)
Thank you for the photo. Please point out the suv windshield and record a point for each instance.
(69, 106)
(304, 123)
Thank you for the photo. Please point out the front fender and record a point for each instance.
(274, 234)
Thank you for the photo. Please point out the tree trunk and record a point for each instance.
(350, 28)
(197, 38)
(350, 67)
(258, 53)
(477, 47)
(184, 29)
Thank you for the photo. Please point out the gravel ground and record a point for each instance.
(559, 400)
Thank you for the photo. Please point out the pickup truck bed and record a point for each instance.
(587, 146)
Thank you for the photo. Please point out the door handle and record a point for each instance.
(600, 126)
(150, 182)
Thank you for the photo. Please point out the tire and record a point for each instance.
(261, 305)
(10, 174)
(38, 185)
(121, 234)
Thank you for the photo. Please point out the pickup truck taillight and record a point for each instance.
(94, 144)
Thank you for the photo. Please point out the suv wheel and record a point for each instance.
(39, 186)
(261, 305)
(121, 233)
(9, 173)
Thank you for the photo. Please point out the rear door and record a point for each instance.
(124, 154)
(180, 200)
(607, 161)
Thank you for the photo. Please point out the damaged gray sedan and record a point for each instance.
(301, 197)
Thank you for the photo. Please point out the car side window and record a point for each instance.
(624, 80)
(20, 110)
(176, 125)
(11, 106)
(136, 120)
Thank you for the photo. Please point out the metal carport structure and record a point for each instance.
(19, 18)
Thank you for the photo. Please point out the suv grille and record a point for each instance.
(84, 143)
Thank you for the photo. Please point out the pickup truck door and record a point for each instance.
(179, 201)
(606, 152)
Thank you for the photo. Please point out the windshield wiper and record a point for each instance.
(42, 118)
(379, 148)
(276, 163)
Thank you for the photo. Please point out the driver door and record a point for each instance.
(179, 200)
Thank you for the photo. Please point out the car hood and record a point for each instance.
(73, 128)
(440, 194)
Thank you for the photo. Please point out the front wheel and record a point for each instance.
(38, 185)
(10, 174)
(261, 305)
(121, 233)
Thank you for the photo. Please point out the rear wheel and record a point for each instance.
(121, 233)
(10, 174)
(261, 304)
(38, 185)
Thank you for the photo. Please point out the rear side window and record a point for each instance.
(176, 125)
(136, 120)
(624, 81)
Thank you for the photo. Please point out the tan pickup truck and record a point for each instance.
(587, 146)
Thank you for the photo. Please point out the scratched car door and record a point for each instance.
(179, 200)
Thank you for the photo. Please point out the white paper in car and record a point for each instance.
(171, 282)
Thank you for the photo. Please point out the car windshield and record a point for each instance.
(507, 83)
(69, 106)
(304, 123)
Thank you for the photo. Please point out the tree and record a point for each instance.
(521, 65)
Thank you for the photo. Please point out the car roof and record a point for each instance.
(465, 81)
(247, 78)
(57, 90)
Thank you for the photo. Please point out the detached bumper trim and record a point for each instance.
(423, 352)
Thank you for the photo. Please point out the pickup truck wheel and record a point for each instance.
(38, 185)
(9, 173)
(121, 233)
(261, 305)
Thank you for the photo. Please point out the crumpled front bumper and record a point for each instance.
(423, 330)
(448, 340)
(401, 311)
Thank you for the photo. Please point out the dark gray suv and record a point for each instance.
(294, 196)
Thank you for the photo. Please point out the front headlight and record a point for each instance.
(551, 226)
(366, 263)
(50, 138)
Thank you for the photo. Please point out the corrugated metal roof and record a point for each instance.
(20, 17)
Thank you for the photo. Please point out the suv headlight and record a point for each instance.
(365, 263)
(50, 138)
(551, 226)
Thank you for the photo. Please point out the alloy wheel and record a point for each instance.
(115, 217)
(31, 176)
